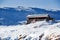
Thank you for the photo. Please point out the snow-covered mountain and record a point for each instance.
(32, 31)
(11, 16)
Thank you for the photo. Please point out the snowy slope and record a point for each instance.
(52, 33)
(33, 30)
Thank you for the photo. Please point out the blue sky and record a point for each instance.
(46, 4)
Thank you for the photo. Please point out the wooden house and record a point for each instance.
(38, 17)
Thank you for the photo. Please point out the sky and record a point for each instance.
(45, 4)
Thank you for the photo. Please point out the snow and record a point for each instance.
(32, 31)
(38, 15)
(53, 31)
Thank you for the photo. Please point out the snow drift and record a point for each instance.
(33, 31)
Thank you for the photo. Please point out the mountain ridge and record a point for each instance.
(12, 15)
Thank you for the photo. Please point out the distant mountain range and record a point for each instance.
(12, 16)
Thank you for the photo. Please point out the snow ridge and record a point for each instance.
(32, 31)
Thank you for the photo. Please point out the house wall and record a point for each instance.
(32, 20)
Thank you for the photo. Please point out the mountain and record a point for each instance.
(11, 16)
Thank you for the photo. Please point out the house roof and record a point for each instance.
(37, 15)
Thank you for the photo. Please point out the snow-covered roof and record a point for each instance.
(37, 15)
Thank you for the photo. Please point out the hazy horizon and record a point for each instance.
(45, 4)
